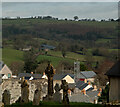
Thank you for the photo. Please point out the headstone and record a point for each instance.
(57, 96)
(64, 86)
(6, 97)
(24, 91)
(37, 97)
(50, 71)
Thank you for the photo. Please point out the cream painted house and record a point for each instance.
(58, 77)
(114, 80)
(6, 71)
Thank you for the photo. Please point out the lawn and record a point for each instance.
(56, 104)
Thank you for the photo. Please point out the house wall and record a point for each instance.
(5, 70)
(69, 79)
(91, 79)
(114, 92)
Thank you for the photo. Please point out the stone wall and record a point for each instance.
(14, 86)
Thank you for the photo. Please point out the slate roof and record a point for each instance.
(83, 86)
(71, 85)
(79, 84)
(88, 74)
(79, 97)
(28, 75)
(115, 70)
(61, 76)
(47, 46)
(92, 94)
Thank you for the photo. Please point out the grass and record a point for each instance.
(56, 104)
(54, 60)
(11, 55)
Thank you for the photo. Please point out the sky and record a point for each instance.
(97, 10)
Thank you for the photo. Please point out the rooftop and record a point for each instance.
(115, 70)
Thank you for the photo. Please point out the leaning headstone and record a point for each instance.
(64, 86)
(57, 96)
(24, 91)
(37, 97)
(6, 97)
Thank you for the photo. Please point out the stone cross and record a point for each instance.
(50, 71)
(24, 91)
(37, 96)
(64, 86)
(6, 97)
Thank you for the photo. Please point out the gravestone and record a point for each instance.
(6, 97)
(37, 96)
(24, 91)
(50, 71)
(64, 86)
(57, 96)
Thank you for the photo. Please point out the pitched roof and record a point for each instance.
(28, 75)
(79, 97)
(71, 85)
(47, 46)
(61, 76)
(115, 70)
(5, 70)
(83, 86)
(88, 74)
(79, 84)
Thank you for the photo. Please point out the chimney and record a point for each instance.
(84, 91)
(95, 87)
(99, 94)
(85, 80)
(43, 73)
(89, 83)
(100, 90)
(31, 72)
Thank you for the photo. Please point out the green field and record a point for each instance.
(10, 55)
(56, 104)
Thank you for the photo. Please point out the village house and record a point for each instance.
(5, 72)
(88, 75)
(114, 81)
(30, 76)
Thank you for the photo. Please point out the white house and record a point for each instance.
(6, 71)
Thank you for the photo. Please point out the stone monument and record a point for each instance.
(50, 71)
(64, 86)
(24, 91)
(57, 96)
(6, 97)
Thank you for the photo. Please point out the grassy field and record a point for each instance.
(26, 22)
(56, 104)
(10, 55)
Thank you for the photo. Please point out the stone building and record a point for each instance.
(114, 80)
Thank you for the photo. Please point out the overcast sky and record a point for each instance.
(97, 10)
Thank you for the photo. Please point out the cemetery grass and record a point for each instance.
(55, 104)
